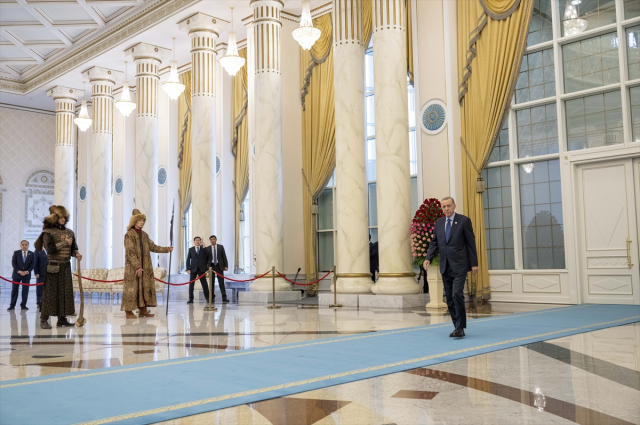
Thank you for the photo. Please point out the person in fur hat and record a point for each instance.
(139, 289)
(60, 244)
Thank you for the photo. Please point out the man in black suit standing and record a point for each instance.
(218, 262)
(454, 240)
(40, 270)
(22, 262)
(197, 260)
(373, 258)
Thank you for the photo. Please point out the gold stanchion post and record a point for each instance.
(273, 287)
(335, 289)
(210, 307)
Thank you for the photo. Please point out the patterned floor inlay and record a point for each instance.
(81, 364)
(417, 395)
(298, 411)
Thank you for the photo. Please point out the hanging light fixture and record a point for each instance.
(173, 87)
(83, 121)
(573, 24)
(125, 105)
(232, 62)
(306, 34)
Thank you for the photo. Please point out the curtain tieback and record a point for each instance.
(480, 181)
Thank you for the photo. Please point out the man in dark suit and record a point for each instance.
(373, 258)
(218, 262)
(22, 262)
(40, 270)
(197, 260)
(454, 240)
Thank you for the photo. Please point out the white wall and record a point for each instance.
(27, 144)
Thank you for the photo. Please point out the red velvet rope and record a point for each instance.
(180, 284)
(21, 283)
(302, 284)
(235, 280)
(98, 280)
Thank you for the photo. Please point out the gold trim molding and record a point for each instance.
(141, 21)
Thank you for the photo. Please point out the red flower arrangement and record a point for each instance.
(422, 228)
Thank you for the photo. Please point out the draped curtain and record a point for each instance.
(184, 156)
(491, 39)
(318, 132)
(240, 150)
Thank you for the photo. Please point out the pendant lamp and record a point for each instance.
(173, 87)
(232, 62)
(83, 121)
(306, 34)
(125, 105)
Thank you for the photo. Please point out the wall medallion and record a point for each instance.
(119, 185)
(162, 175)
(433, 116)
(83, 193)
(217, 164)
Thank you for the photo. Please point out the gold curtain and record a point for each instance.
(184, 156)
(240, 149)
(367, 22)
(485, 95)
(409, 18)
(318, 132)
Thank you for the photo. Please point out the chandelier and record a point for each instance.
(125, 105)
(173, 87)
(83, 121)
(306, 34)
(232, 62)
(573, 24)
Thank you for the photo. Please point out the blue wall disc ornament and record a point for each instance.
(433, 116)
(217, 165)
(83, 193)
(119, 185)
(162, 176)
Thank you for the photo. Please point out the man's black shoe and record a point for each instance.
(24, 307)
(190, 302)
(11, 308)
(226, 301)
(64, 322)
(458, 333)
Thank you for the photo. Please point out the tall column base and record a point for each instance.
(265, 284)
(354, 284)
(392, 284)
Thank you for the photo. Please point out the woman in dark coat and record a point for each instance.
(60, 244)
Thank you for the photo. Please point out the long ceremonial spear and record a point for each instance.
(170, 255)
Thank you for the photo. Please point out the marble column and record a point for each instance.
(267, 194)
(392, 149)
(65, 153)
(102, 82)
(203, 32)
(352, 206)
(147, 59)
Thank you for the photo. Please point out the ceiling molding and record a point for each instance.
(139, 22)
(27, 109)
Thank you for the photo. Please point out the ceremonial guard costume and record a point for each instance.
(60, 244)
(139, 291)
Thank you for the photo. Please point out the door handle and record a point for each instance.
(629, 263)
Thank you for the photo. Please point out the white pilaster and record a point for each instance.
(102, 82)
(64, 168)
(147, 59)
(267, 194)
(392, 149)
(203, 32)
(352, 220)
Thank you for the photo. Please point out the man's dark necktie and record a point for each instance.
(447, 230)
(215, 256)
(197, 251)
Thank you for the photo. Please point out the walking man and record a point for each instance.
(22, 262)
(455, 242)
(218, 262)
(197, 264)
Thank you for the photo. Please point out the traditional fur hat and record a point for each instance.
(136, 216)
(56, 212)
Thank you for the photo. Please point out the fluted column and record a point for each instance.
(351, 176)
(267, 194)
(147, 59)
(64, 167)
(102, 81)
(392, 149)
(203, 32)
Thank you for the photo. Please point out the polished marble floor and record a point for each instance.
(591, 378)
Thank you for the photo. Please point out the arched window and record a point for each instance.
(38, 197)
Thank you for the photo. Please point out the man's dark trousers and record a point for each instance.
(454, 289)
(197, 265)
(15, 288)
(220, 275)
(203, 281)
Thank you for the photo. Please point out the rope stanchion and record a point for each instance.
(303, 284)
(21, 283)
(273, 287)
(335, 290)
(210, 307)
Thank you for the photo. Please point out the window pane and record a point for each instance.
(541, 214)
(373, 205)
(633, 52)
(634, 95)
(325, 251)
(373, 231)
(537, 131)
(412, 106)
(540, 28)
(413, 153)
(591, 63)
(498, 223)
(325, 210)
(537, 77)
(588, 14)
(368, 68)
(594, 121)
(415, 201)
(500, 150)
(631, 8)
(370, 115)
(371, 159)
